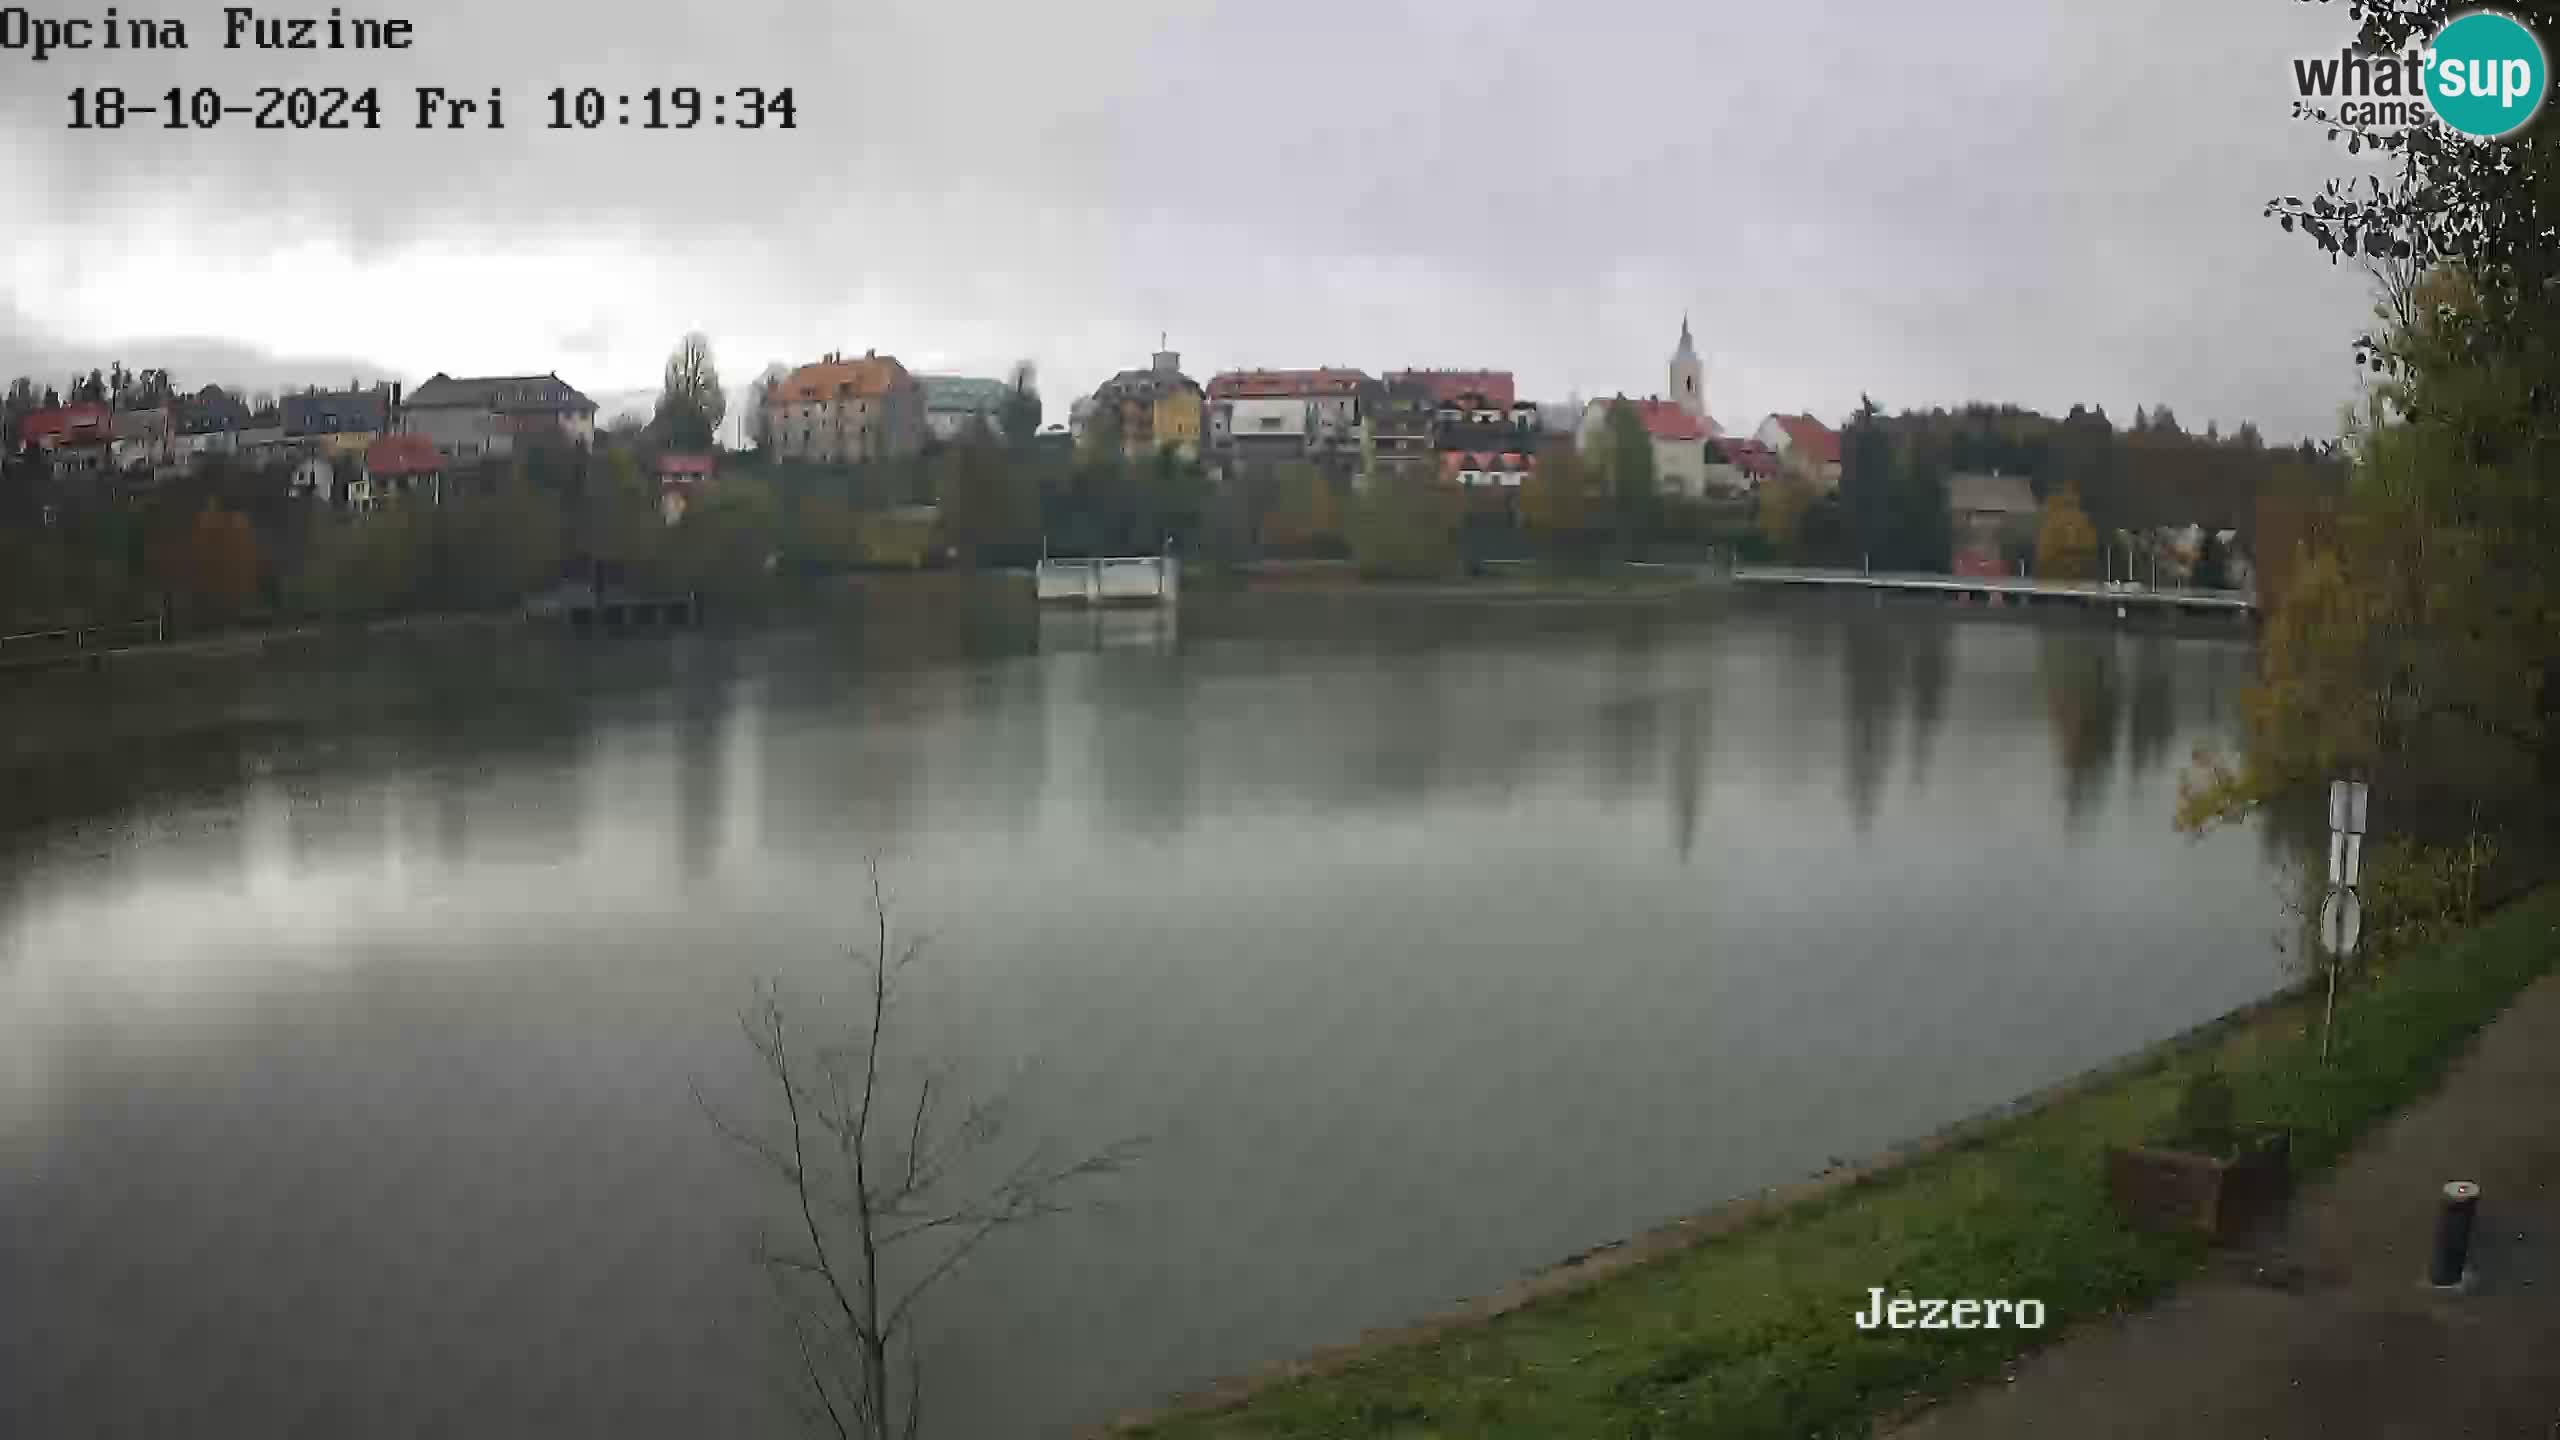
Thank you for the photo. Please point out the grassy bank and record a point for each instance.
(1749, 1333)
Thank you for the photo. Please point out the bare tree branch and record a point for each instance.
(843, 1327)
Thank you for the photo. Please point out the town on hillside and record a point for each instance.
(479, 490)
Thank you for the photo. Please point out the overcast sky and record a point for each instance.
(2037, 201)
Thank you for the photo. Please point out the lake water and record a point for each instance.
(350, 1007)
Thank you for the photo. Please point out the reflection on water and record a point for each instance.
(349, 1007)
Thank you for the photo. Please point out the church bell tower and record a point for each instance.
(1688, 378)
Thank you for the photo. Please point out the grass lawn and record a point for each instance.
(1750, 1333)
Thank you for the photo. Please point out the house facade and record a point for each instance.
(210, 422)
(681, 480)
(341, 422)
(409, 464)
(1990, 515)
(146, 441)
(1804, 446)
(1738, 465)
(485, 416)
(1157, 408)
(1327, 400)
(954, 402)
(1497, 469)
(76, 439)
(1399, 425)
(1679, 441)
(841, 411)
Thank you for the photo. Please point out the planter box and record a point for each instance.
(2165, 1190)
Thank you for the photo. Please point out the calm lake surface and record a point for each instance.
(350, 1004)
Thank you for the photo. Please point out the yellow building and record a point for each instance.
(1157, 407)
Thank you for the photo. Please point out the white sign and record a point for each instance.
(2346, 857)
(2346, 806)
(2341, 920)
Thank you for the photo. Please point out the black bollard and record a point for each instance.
(2452, 1258)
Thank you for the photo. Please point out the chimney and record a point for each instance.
(870, 354)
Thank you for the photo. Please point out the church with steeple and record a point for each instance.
(1688, 377)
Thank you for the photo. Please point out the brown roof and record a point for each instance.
(1447, 385)
(869, 377)
(406, 454)
(1285, 384)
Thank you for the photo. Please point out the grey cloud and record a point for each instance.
(2017, 199)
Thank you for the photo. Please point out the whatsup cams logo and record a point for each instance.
(2484, 75)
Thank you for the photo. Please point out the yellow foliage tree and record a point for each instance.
(2066, 543)
(1782, 505)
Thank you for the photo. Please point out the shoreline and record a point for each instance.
(1589, 1268)
(1729, 1313)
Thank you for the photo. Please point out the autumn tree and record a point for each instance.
(1557, 505)
(2066, 543)
(1405, 527)
(1306, 512)
(2425, 609)
(1780, 509)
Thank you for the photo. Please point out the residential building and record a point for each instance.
(681, 480)
(953, 402)
(75, 439)
(146, 442)
(1477, 397)
(485, 416)
(316, 473)
(1500, 469)
(261, 441)
(1739, 465)
(407, 464)
(1399, 417)
(1157, 408)
(1679, 441)
(1805, 446)
(1990, 514)
(210, 422)
(341, 422)
(841, 411)
(1328, 401)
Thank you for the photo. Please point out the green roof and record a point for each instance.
(962, 392)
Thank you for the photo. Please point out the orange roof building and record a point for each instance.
(841, 411)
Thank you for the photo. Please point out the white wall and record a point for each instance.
(1268, 417)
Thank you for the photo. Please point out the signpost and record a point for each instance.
(2341, 911)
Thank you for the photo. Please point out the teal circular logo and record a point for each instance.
(2486, 74)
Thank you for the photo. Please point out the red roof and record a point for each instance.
(1820, 442)
(1749, 456)
(1665, 420)
(1284, 384)
(1444, 386)
(84, 423)
(685, 467)
(1453, 461)
(394, 455)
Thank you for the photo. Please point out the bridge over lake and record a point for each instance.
(2005, 589)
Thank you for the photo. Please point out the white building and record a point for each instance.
(481, 416)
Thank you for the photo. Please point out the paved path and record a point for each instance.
(2327, 1331)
